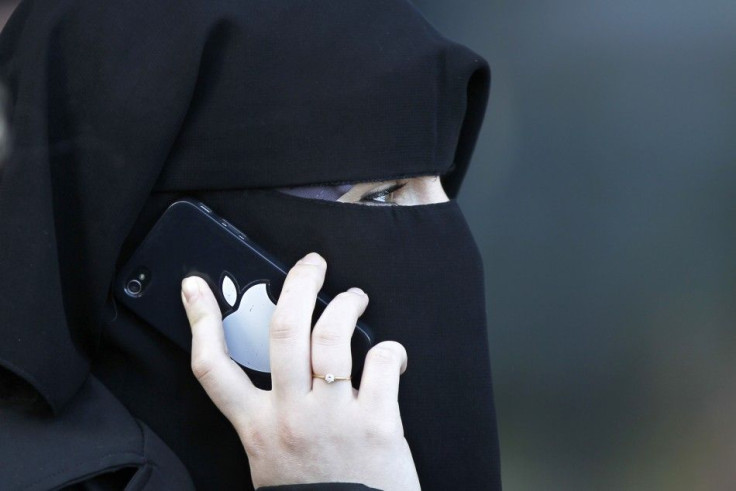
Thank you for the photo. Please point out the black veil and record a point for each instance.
(119, 107)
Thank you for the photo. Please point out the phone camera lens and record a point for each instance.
(134, 288)
(137, 282)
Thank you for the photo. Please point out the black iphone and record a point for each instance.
(190, 239)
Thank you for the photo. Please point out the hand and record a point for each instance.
(305, 430)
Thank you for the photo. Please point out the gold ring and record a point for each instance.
(329, 378)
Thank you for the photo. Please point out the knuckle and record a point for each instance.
(203, 317)
(301, 282)
(313, 259)
(383, 430)
(328, 336)
(291, 435)
(346, 297)
(255, 441)
(351, 300)
(202, 366)
(386, 354)
(306, 272)
(282, 324)
(396, 347)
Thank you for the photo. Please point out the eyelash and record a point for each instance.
(373, 197)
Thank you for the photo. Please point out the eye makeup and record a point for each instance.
(381, 196)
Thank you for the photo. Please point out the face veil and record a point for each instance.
(119, 108)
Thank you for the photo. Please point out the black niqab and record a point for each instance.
(120, 107)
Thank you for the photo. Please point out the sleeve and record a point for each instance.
(95, 443)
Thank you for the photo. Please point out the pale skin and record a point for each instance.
(420, 190)
(305, 430)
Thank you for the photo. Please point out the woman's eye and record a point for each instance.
(382, 196)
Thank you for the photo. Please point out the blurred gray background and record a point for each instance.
(602, 197)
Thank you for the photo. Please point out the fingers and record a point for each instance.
(331, 340)
(223, 380)
(290, 327)
(384, 364)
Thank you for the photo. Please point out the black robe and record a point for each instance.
(118, 108)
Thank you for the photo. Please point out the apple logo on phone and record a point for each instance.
(246, 326)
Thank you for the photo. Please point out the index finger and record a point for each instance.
(291, 324)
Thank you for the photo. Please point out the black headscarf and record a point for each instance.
(120, 107)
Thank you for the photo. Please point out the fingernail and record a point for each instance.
(313, 258)
(190, 288)
(357, 290)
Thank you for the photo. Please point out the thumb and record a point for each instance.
(223, 380)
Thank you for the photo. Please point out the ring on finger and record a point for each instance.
(330, 378)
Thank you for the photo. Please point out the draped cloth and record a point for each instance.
(119, 107)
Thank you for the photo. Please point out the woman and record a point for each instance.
(121, 107)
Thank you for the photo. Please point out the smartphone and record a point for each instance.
(190, 239)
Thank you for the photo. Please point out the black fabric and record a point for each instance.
(91, 441)
(120, 107)
(424, 277)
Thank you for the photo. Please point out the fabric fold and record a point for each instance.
(40, 451)
(120, 107)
